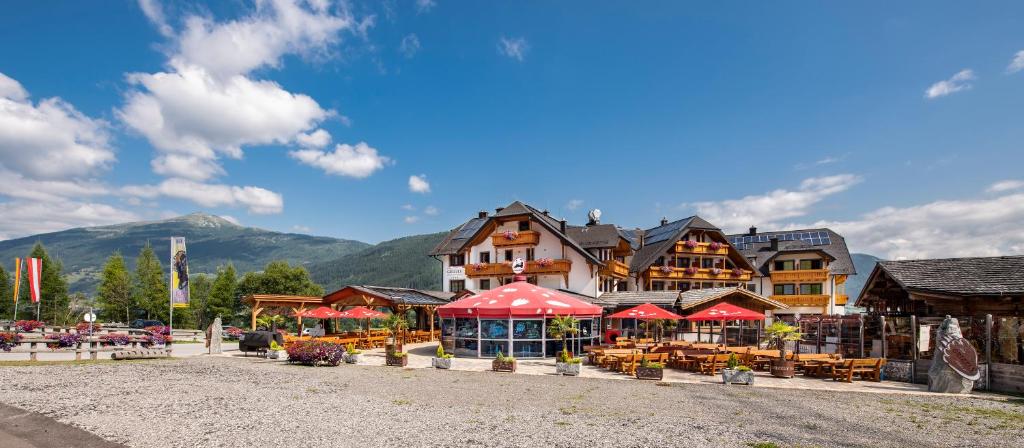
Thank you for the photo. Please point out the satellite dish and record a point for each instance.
(595, 215)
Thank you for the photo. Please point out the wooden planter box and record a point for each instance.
(396, 361)
(649, 373)
(503, 366)
(783, 369)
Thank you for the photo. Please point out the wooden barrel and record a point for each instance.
(783, 369)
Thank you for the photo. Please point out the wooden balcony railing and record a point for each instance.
(521, 238)
(702, 249)
(841, 299)
(800, 276)
(615, 268)
(505, 269)
(802, 299)
(671, 273)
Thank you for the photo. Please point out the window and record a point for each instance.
(529, 254)
(657, 286)
(524, 226)
(621, 286)
(683, 262)
(752, 287)
(683, 286)
(485, 257)
(784, 265)
(485, 284)
(456, 285)
(457, 259)
(810, 288)
(508, 254)
(660, 261)
(810, 264)
(785, 289)
(707, 263)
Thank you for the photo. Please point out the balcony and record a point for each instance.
(841, 299)
(800, 276)
(725, 275)
(701, 249)
(505, 269)
(521, 238)
(615, 268)
(820, 300)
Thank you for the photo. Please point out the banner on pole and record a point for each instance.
(179, 273)
(35, 269)
(17, 278)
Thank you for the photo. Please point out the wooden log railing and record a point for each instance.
(93, 345)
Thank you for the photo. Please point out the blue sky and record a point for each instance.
(896, 123)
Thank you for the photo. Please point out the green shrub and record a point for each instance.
(732, 362)
(351, 349)
(743, 368)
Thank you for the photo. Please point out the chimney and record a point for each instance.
(753, 231)
(482, 214)
(545, 212)
(640, 236)
(775, 244)
(664, 220)
(563, 223)
(498, 210)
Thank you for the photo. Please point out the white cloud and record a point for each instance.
(574, 204)
(411, 219)
(301, 228)
(1017, 64)
(827, 160)
(1006, 185)
(410, 45)
(430, 210)
(23, 218)
(255, 199)
(49, 139)
(958, 228)
(187, 166)
(959, 81)
(419, 184)
(513, 47)
(770, 209)
(274, 29)
(423, 6)
(357, 161)
(316, 139)
(15, 185)
(188, 111)
(408, 207)
(155, 13)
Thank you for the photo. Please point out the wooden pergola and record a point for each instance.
(260, 302)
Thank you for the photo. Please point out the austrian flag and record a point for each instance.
(35, 269)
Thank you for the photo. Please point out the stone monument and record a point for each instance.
(955, 363)
(214, 337)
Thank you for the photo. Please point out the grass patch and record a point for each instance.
(402, 402)
(763, 445)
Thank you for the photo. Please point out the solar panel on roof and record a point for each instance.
(470, 228)
(665, 232)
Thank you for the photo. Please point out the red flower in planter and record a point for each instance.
(9, 340)
(690, 244)
(691, 270)
(478, 266)
(26, 326)
(667, 269)
(715, 246)
(545, 262)
(736, 272)
(510, 235)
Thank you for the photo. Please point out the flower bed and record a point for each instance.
(63, 340)
(158, 335)
(545, 262)
(233, 333)
(9, 340)
(25, 326)
(116, 339)
(86, 327)
(315, 353)
(510, 235)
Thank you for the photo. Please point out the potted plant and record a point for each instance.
(777, 334)
(9, 340)
(735, 373)
(442, 360)
(396, 359)
(650, 371)
(396, 325)
(275, 350)
(503, 363)
(691, 270)
(715, 246)
(351, 355)
(561, 327)
(690, 244)
(567, 365)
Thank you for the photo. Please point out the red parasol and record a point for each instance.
(519, 299)
(646, 312)
(726, 311)
(362, 312)
(320, 313)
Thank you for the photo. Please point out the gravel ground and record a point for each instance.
(229, 402)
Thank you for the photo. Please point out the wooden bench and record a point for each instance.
(867, 369)
(713, 363)
(631, 362)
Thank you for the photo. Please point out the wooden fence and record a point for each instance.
(34, 343)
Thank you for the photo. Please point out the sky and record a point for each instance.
(897, 124)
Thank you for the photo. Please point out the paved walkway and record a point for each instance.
(420, 354)
(23, 429)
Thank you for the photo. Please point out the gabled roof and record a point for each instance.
(833, 245)
(614, 299)
(595, 236)
(658, 240)
(396, 296)
(694, 297)
(973, 276)
(462, 235)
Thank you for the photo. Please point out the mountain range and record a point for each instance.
(214, 241)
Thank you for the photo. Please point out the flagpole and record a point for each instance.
(17, 285)
(170, 294)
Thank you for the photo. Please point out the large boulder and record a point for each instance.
(954, 367)
(214, 337)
